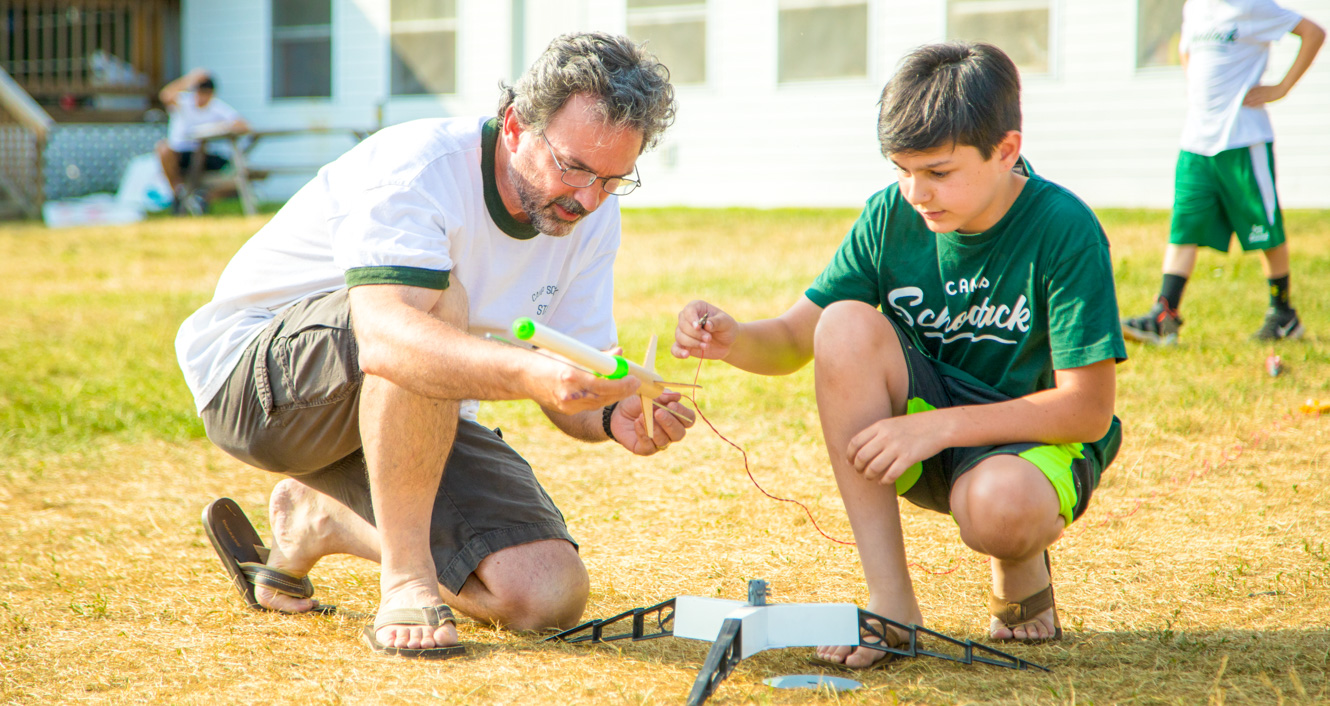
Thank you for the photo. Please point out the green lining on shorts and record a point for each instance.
(1055, 463)
(911, 475)
(409, 276)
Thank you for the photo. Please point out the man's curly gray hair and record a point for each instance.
(631, 86)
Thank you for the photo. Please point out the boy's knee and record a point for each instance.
(849, 326)
(1006, 513)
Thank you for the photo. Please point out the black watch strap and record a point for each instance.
(605, 415)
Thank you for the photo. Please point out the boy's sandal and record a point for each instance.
(867, 638)
(1023, 612)
(432, 616)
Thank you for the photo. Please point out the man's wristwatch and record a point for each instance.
(605, 415)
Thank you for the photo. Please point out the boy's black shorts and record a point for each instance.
(1073, 469)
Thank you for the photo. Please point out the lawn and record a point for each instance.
(1199, 574)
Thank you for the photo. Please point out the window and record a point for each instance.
(301, 48)
(676, 32)
(424, 47)
(1158, 30)
(822, 39)
(1020, 28)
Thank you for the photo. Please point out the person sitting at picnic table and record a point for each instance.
(194, 107)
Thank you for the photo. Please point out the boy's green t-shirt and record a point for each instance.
(1005, 307)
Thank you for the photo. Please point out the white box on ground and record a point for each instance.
(90, 210)
(771, 626)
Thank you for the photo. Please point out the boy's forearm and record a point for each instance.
(1312, 37)
(1048, 417)
(768, 347)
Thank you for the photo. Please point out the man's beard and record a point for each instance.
(539, 209)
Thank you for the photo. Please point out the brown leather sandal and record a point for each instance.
(429, 616)
(1023, 612)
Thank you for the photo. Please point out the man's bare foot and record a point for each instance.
(294, 512)
(855, 657)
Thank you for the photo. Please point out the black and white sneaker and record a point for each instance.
(1279, 325)
(1159, 326)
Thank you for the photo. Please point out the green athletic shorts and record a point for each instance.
(1231, 192)
(1073, 469)
(292, 406)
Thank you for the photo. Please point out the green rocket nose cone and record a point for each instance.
(524, 328)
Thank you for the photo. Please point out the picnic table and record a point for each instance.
(243, 172)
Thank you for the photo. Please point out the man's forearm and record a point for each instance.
(435, 359)
(585, 426)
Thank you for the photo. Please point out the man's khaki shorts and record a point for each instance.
(292, 406)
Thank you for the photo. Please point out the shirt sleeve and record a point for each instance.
(225, 111)
(1268, 22)
(852, 273)
(1083, 325)
(393, 234)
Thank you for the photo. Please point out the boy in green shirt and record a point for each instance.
(984, 386)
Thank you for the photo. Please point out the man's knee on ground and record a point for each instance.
(547, 587)
(1008, 510)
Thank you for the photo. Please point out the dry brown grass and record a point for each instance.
(1185, 583)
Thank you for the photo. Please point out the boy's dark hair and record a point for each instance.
(961, 93)
(207, 84)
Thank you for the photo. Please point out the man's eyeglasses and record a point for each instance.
(581, 178)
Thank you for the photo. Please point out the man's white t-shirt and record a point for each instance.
(412, 204)
(1227, 43)
(187, 117)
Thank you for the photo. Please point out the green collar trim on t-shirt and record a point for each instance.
(489, 141)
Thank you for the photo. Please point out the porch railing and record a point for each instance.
(72, 48)
(24, 129)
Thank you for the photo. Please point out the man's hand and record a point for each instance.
(562, 387)
(704, 331)
(629, 426)
(888, 447)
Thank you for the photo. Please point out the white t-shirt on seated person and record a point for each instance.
(409, 205)
(187, 119)
(1227, 43)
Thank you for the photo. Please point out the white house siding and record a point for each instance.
(1094, 123)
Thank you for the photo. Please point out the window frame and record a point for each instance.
(686, 12)
(426, 26)
(286, 32)
(1135, 57)
(1054, 39)
(870, 43)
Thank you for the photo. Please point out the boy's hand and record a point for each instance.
(629, 426)
(888, 447)
(704, 331)
(1260, 95)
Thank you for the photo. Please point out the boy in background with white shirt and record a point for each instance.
(193, 103)
(1225, 181)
